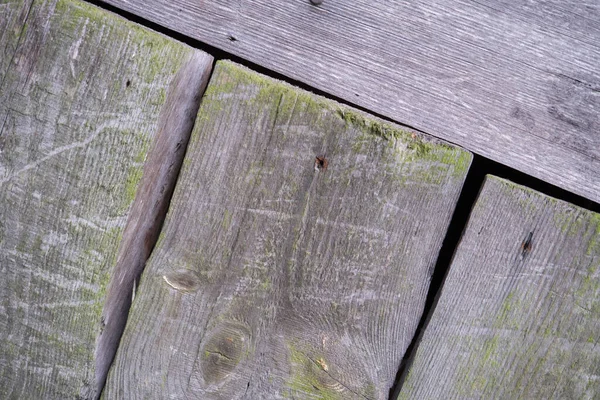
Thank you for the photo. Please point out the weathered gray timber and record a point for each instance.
(513, 80)
(519, 312)
(296, 254)
(80, 99)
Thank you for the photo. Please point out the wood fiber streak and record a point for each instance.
(80, 97)
(517, 318)
(275, 278)
(515, 81)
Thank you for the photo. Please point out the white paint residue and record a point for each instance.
(62, 149)
(74, 50)
(78, 221)
(54, 239)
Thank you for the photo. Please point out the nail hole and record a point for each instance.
(526, 245)
(321, 163)
(232, 38)
(128, 83)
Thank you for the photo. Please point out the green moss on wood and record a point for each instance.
(434, 161)
(304, 379)
(377, 128)
(594, 241)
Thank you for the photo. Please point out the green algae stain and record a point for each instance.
(593, 247)
(434, 162)
(439, 158)
(226, 219)
(131, 185)
(304, 379)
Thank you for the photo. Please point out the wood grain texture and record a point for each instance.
(519, 312)
(515, 81)
(14, 14)
(80, 101)
(280, 276)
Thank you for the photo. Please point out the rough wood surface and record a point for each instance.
(280, 274)
(80, 98)
(519, 313)
(516, 81)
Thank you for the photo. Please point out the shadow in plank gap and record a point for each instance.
(519, 312)
(296, 255)
(83, 96)
(480, 167)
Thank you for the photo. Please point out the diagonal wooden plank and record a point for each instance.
(80, 103)
(515, 81)
(519, 313)
(279, 273)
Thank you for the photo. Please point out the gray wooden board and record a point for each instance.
(274, 278)
(79, 105)
(516, 81)
(516, 320)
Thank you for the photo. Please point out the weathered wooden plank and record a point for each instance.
(519, 314)
(281, 275)
(79, 107)
(515, 81)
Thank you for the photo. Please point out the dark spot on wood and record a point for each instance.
(578, 122)
(232, 38)
(523, 116)
(321, 163)
(128, 83)
(526, 245)
(316, 2)
(149, 240)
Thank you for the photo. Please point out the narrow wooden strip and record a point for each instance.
(519, 314)
(80, 99)
(296, 254)
(151, 203)
(515, 81)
